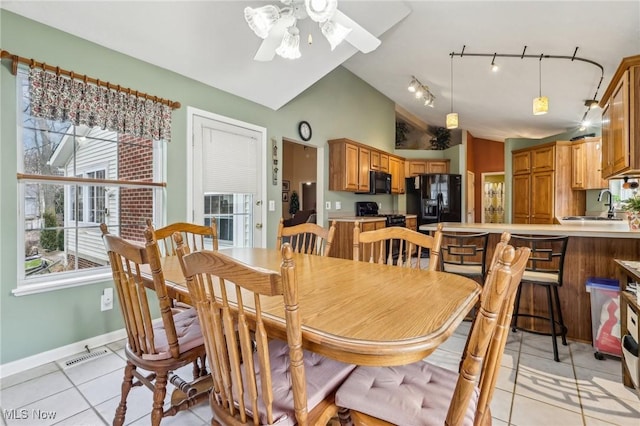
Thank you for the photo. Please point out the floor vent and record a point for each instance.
(82, 358)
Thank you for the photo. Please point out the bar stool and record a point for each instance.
(465, 254)
(545, 267)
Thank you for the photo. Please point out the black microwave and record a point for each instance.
(379, 183)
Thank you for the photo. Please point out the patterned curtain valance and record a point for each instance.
(60, 98)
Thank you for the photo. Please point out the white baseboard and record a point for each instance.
(52, 355)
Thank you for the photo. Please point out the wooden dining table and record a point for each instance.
(358, 312)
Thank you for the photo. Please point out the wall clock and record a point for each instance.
(304, 129)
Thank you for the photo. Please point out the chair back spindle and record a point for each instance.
(397, 246)
(308, 238)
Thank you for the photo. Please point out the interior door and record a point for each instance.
(228, 180)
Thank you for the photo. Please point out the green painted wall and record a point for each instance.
(340, 105)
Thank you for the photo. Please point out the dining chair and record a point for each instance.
(396, 245)
(258, 379)
(197, 237)
(425, 394)
(465, 254)
(157, 346)
(307, 238)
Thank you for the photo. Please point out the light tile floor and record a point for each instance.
(532, 389)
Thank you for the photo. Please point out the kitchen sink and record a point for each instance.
(590, 218)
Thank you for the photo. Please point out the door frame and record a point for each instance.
(482, 203)
(262, 131)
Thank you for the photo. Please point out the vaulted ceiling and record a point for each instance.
(210, 41)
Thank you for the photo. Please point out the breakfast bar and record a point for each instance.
(591, 251)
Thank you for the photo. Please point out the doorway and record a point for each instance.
(228, 178)
(299, 177)
(492, 197)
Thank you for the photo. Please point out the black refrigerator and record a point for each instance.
(435, 198)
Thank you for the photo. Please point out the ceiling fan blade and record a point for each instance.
(360, 38)
(267, 49)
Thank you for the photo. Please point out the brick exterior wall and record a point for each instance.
(82, 262)
(135, 158)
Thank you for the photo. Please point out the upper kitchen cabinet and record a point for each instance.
(396, 168)
(379, 161)
(421, 167)
(621, 121)
(349, 165)
(584, 154)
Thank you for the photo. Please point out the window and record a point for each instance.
(621, 192)
(61, 207)
(232, 213)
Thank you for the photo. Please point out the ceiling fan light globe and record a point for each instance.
(320, 10)
(540, 105)
(334, 32)
(261, 19)
(290, 46)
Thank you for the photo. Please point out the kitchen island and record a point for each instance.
(590, 253)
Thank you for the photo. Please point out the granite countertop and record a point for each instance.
(617, 229)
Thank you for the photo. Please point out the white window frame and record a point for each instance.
(62, 280)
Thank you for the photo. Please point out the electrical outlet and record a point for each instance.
(338, 205)
(106, 300)
(272, 206)
(379, 206)
(327, 205)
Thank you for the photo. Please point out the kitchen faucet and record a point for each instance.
(610, 213)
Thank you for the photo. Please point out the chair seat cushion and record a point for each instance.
(463, 269)
(413, 394)
(323, 376)
(540, 277)
(187, 330)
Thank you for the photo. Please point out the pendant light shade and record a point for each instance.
(540, 105)
(452, 117)
(452, 120)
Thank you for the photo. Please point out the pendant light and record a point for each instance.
(452, 117)
(541, 103)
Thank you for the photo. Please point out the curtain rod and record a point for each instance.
(33, 63)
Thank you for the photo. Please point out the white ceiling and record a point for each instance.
(209, 41)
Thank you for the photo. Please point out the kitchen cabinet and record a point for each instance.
(349, 165)
(396, 168)
(621, 121)
(412, 223)
(542, 184)
(342, 246)
(585, 155)
(379, 161)
(421, 167)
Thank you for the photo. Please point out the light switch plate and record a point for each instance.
(327, 205)
(272, 206)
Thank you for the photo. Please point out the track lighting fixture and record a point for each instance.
(421, 92)
(591, 103)
(494, 66)
(541, 103)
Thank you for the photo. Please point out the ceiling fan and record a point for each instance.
(277, 27)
